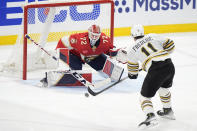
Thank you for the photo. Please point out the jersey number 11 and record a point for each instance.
(144, 50)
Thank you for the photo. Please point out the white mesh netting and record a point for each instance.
(51, 21)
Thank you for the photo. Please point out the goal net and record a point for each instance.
(46, 22)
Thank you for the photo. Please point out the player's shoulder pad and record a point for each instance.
(152, 34)
(81, 35)
(65, 41)
(106, 40)
(73, 39)
(155, 36)
(103, 35)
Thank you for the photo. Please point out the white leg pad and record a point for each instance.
(112, 70)
(65, 78)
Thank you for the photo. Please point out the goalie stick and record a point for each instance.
(80, 78)
(41, 47)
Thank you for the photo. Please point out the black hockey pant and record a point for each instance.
(76, 63)
(160, 74)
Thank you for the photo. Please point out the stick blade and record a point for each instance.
(94, 93)
(91, 92)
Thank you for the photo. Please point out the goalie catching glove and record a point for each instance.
(122, 56)
(113, 52)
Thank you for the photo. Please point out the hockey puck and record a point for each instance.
(86, 95)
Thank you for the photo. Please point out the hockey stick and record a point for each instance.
(110, 86)
(42, 48)
(80, 78)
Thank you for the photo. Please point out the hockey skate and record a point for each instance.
(150, 121)
(166, 113)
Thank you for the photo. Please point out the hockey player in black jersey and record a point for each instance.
(152, 51)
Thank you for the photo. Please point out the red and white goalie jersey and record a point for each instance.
(79, 44)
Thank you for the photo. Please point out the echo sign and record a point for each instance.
(74, 14)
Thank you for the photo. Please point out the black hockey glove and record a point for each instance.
(132, 76)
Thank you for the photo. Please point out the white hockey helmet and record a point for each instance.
(137, 30)
(94, 33)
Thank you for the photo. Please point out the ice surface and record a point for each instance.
(24, 107)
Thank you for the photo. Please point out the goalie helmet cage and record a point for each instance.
(64, 18)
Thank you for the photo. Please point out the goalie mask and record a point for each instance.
(94, 33)
(137, 30)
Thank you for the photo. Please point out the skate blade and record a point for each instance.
(168, 117)
(152, 124)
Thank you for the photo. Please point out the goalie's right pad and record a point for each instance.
(63, 58)
(112, 70)
(64, 55)
(65, 78)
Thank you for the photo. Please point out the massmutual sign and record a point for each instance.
(156, 5)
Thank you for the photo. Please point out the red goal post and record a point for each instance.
(106, 22)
